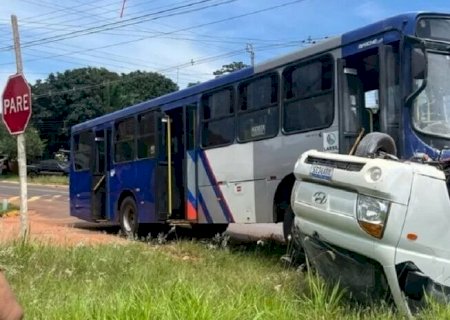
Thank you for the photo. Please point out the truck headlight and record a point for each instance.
(372, 214)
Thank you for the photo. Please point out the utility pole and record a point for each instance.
(21, 155)
(250, 50)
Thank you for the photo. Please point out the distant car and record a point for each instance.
(48, 167)
(3, 164)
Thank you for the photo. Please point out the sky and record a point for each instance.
(185, 40)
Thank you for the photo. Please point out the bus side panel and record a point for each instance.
(139, 179)
(275, 159)
(80, 194)
(225, 179)
(191, 192)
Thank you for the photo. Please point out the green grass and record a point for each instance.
(178, 280)
(43, 179)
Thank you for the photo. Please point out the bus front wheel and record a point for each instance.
(129, 217)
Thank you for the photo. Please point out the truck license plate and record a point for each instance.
(321, 172)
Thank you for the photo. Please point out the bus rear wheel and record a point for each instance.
(128, 217)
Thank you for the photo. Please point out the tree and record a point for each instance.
(140, 86)
(228, 68)
(8, 143)
(65, 99)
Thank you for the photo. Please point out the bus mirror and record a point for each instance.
(418, 64)
(371, 101)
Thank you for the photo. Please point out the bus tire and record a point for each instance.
(375, 142)
(128, 216)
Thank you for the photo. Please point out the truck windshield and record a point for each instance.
(431, 109)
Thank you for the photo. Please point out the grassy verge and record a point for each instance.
(180, 280)
(44, 179)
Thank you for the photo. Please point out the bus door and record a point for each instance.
(351, 106)
(369, 94)
(100, 168)
(176, 187)
(170, 169)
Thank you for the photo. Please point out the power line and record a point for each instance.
(120, 24)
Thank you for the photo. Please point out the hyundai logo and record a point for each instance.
(320, 197)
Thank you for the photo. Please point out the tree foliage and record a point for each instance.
(228, 68)
(8, 143)
(65, 99)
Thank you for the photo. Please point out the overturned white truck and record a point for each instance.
(378, 227)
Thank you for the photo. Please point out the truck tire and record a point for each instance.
(295, 252)
(375, 142)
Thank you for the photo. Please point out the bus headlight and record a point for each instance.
(372, 214)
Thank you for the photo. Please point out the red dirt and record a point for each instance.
(45, 230)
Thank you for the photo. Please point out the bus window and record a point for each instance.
(124, 146)
(308, 96)
(217, 118)
(146, 144)
(82, 149)
(258, 109)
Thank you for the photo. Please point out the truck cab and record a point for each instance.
(378, 227)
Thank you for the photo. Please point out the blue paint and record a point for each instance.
(371, 35)
(139, 178)
(80, 194)
(201, 201)
(212, 179)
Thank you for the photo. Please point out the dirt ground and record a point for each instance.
(46, 230)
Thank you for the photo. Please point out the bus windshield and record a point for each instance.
(431, 109)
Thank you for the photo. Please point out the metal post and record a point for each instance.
(21, 155)
(169, 165)
(250, 50)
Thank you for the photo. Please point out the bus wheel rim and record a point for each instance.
(128, 219)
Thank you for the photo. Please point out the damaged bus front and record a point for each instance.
(377, 227)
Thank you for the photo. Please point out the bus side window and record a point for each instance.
(146, 142)
(124, 143)
(82, 148)
(308, 96)
(217, 127)
(258, 109)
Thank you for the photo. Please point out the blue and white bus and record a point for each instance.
(223, 151)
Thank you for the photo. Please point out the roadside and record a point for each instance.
(48, 181)
(49, 231)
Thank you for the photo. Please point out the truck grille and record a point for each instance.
(343, 165)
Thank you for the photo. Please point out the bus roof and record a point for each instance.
(405, 22)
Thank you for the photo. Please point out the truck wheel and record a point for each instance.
(375, 142)
(295, 253)
(128, 216)
(288, 222)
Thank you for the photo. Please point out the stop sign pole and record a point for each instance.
(12, 102)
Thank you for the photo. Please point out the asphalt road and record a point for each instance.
(53, 202)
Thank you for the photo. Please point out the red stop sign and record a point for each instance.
(16, 100)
